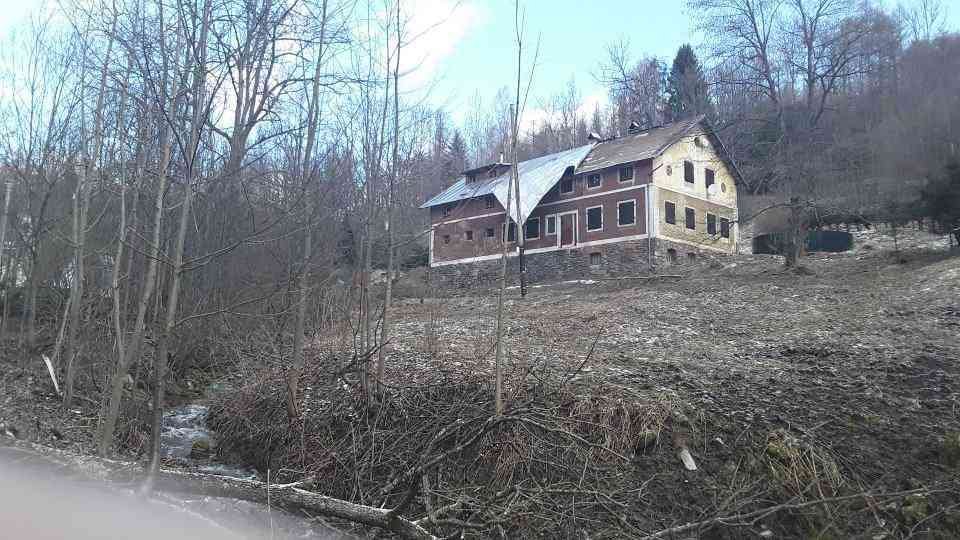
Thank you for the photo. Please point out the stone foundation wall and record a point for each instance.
(619, 259)
(675, 254)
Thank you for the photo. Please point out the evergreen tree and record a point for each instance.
(686, 86)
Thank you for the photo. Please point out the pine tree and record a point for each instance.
(686, 86)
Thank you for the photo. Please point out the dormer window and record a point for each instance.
(626, 174)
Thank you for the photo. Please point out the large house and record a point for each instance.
(627, 205)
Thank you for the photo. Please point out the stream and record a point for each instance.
(184, 437)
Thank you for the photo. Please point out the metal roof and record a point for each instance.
(537, 177)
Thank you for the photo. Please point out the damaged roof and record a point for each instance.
(537, 176)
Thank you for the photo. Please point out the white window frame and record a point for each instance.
(633, 174)
(573, 186)
(599, 255)
(546, 226)
(586, 218)
(587, 181)
(716, 224)
(537, 237)
(634, 224)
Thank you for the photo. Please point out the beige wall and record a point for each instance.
(668, 177)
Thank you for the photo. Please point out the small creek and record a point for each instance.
(184, 437)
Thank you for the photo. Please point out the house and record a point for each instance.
(655, 197)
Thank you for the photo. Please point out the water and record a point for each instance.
(184, 437)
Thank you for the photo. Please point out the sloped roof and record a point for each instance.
(537, 177)
(646, 144)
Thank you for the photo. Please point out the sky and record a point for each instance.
(471, 48)
(464, 49)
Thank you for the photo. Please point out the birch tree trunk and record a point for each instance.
(388, 295)
(126, 356)
(81, 209)
(8, 188)
(306, 174)
(199, 116)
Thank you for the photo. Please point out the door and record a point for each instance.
(568, 226)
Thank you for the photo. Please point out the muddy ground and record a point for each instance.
(851, 368)
(857, 359)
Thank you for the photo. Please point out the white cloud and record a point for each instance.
(433, 29)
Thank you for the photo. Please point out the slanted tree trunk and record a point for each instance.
(199, 116)
(306, 175)
(125, 355)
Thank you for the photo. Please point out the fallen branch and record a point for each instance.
(285, 495)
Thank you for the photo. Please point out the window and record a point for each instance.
(596, 259)
(447, 209)
(710, 177)
(446, 239)
(532, 229)
(511, 232)
(594, 181)
(488, 201)
(626, 213)
(711, 224)
(566, 185)
(551, 225)
(725, 227)
(670, 211)
(595, 218)
(691, 219)
(691, 257)
(672, 255)
(688, 172)
(469, 236)
(489, 232)
(626, 174)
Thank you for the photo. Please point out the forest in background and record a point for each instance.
(211, 186)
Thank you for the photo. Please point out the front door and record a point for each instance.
(568, 225)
